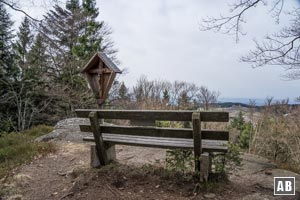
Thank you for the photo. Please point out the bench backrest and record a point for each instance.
(194, 133)
(157, 115)
(165, 115)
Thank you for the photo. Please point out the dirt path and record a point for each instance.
(53, 176)
(66, 174)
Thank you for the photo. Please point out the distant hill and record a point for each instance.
(231, 104)
(245, 101)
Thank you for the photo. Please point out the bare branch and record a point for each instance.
(230, 24)
(281, 48)
(12, 6)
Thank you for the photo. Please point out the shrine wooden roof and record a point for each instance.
(98, 57)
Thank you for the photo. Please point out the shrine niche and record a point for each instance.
(100, 72)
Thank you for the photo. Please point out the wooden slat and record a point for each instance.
(142, 131)
(214, 135)
(158, 132)
(166, 115)
(207, 145)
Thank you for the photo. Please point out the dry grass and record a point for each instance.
(277, 136)
(19, 148)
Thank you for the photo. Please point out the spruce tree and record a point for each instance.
(7, 68)
(95, 35)
(123, 92)
(38, 58)
(23, 42)
(8, 71)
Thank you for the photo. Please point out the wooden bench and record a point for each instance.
(200, 140)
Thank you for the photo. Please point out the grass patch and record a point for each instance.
(18, 148)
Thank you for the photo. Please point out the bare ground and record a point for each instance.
(66, 174)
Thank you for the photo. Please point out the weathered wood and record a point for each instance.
(110, 151)
(166, 115)
(93, 84)
(159, 132)
(108, 81)
(95, 124)
(99, 71)
(197, 139)
(142, 122)
(159, 142)
(205, 165)
(96, 59)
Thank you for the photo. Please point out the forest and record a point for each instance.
(40, 63)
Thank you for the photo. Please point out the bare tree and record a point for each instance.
(281, 48)
(269, 101)
(207, 97)
(26, 108)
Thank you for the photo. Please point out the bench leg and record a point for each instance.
(100, 148)
(205, 166)
(95, 162)
(110, 150)
(110, 153)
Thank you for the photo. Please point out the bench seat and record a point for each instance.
(162, 142)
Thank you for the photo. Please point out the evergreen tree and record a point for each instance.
(7, 68)
(23, 43)
(60, 31)
(95, 35)
(38, 59)
(73, 5)
(238, 122)
(123, 92)
(24, 91)
(183, 100)
(166, 97)
(8, 71)
(71, 35)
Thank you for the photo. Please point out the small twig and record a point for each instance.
(116, 193)
(66, 195)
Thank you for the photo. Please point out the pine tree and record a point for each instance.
(60, 31)
(71, 34)
(73, 5)
(95, 35)
(7, 67)
(23, 43)
(183, 100)
(123, 92)
(166, 97)
(38, 59)
(8, 71)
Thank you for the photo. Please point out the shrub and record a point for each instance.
(229, 161)
(244, 129)
(180, 160)
(244, 137)
(183, 160)
(277, 136)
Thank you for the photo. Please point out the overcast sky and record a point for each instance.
(161, 39)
